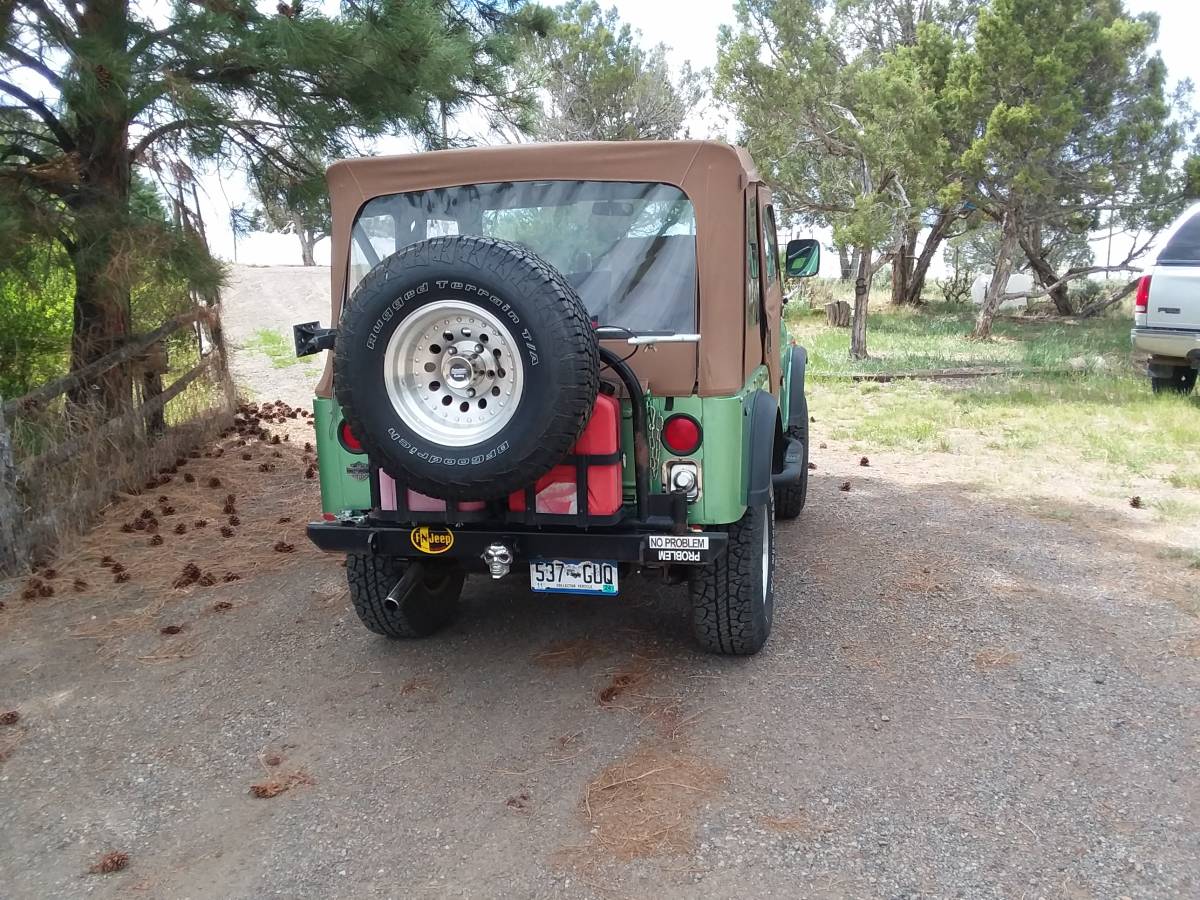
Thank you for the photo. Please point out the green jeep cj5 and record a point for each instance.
(566, 363)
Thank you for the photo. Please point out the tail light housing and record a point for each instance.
(347, 439)
(682, 434)
(1141, 300)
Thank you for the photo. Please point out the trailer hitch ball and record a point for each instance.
(498, 558)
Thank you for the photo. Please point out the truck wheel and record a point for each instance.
(733, 599)
(790, 500)
(1181, 381)
(466, 366)
(428, 605)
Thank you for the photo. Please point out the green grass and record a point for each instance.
(1190, 558)
(275, 346)
(1105, 415)
(936, 338)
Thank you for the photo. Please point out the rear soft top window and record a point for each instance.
(628, 248)
(1184, 246)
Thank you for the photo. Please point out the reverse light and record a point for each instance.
(347, 439)
(1141, 300)
(683, 477)
(681, 434)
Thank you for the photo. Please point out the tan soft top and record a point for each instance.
(714, 176)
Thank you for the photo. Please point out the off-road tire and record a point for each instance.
(1181, 381)
(551, 333)
(732, 610)
(428, 609)
(790, 499)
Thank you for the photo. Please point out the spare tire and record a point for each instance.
(466, 366)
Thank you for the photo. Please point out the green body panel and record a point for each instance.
(339, 490)
(724, 469)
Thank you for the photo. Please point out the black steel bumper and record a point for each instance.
(466, 545)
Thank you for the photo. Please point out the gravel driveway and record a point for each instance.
(960, 699)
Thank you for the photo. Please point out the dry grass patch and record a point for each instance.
(276, 785)
(277, 782)
(567, 654)
(995, 658)
(417, 685)
(619, 683)
(647, 804)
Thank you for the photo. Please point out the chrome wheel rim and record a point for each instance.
(453, 373)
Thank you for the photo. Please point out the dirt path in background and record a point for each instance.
(274, 298)
(960, 699)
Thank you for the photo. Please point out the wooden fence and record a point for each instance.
(29, 516)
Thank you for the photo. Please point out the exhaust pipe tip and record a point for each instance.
(391, 604)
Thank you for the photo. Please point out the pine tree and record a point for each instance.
(96, 88)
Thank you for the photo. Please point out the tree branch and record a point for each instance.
(1069, 277)
(55, 25)
(32, 62)
(43, 112)
(1100, 305)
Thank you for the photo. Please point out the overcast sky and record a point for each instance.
(689, 29)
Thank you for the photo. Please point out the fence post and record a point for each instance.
(9, 551)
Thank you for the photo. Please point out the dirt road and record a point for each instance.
(272, 299)
(959, 700)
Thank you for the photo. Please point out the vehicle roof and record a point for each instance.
(713, 175)
(665, 161)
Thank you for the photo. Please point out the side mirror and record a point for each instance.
(803, 258)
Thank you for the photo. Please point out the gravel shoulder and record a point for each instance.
(960, 699)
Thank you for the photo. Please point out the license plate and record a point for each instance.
(574, 576)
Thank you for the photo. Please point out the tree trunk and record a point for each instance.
(100, 208)
(101, 313)
(862, 296)
(837, 314)
(1032, 245)
(933, 243)
(902, 263)
(11, 551)
(999, 284)
(308, 241)
(844, 265)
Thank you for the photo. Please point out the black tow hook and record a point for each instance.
(413, 575)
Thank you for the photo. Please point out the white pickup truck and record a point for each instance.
(1166, 312)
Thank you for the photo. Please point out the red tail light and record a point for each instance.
(347, 438)
(1141, 301)
(682, 435)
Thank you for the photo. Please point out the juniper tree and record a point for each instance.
(602, 86)
(1071, 125)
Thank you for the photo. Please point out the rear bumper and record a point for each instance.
(1174, 343)
(466, 545)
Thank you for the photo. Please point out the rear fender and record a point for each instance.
(797, 364)
(763, 440)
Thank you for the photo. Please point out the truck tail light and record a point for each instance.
(682, 435)
(347, 439)
(1141, 301)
